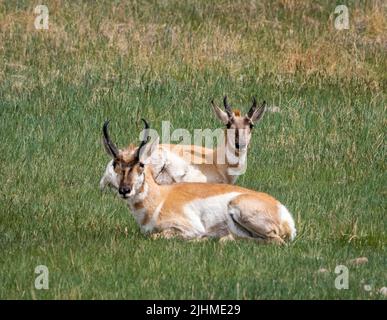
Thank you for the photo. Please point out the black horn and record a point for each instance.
(227, 107)
(109, 145)
(256, 114)
(145, 138)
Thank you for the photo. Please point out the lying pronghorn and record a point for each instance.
(186, 163)
(197, 210)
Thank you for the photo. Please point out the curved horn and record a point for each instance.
(253, 108)
(110, 147)
(145, 138)
(227, 107)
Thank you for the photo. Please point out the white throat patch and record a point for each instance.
(136, 197)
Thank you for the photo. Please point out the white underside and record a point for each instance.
(212, 216)
(209, 214)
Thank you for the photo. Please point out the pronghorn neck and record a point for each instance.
(236, 163)
(141, 195)
(149, 189)
(147, 201)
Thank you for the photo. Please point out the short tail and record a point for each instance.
(287, 226)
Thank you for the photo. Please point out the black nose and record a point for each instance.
(124, 190)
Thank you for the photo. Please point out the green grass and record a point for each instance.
(323, 155)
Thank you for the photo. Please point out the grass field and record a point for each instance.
(322, 155)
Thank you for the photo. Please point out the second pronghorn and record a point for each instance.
(197, 210)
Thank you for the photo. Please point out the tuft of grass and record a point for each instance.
(322, 153)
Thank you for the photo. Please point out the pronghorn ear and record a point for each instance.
(255, 114)
(147, 150)
(222, 116)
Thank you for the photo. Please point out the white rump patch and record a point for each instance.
(286, 216)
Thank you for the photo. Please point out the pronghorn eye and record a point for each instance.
(228, 125)
(252, 125)
(141, 165)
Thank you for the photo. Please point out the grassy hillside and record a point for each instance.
(322, 153)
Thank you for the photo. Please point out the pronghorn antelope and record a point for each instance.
(186, 163)
(197, 210)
